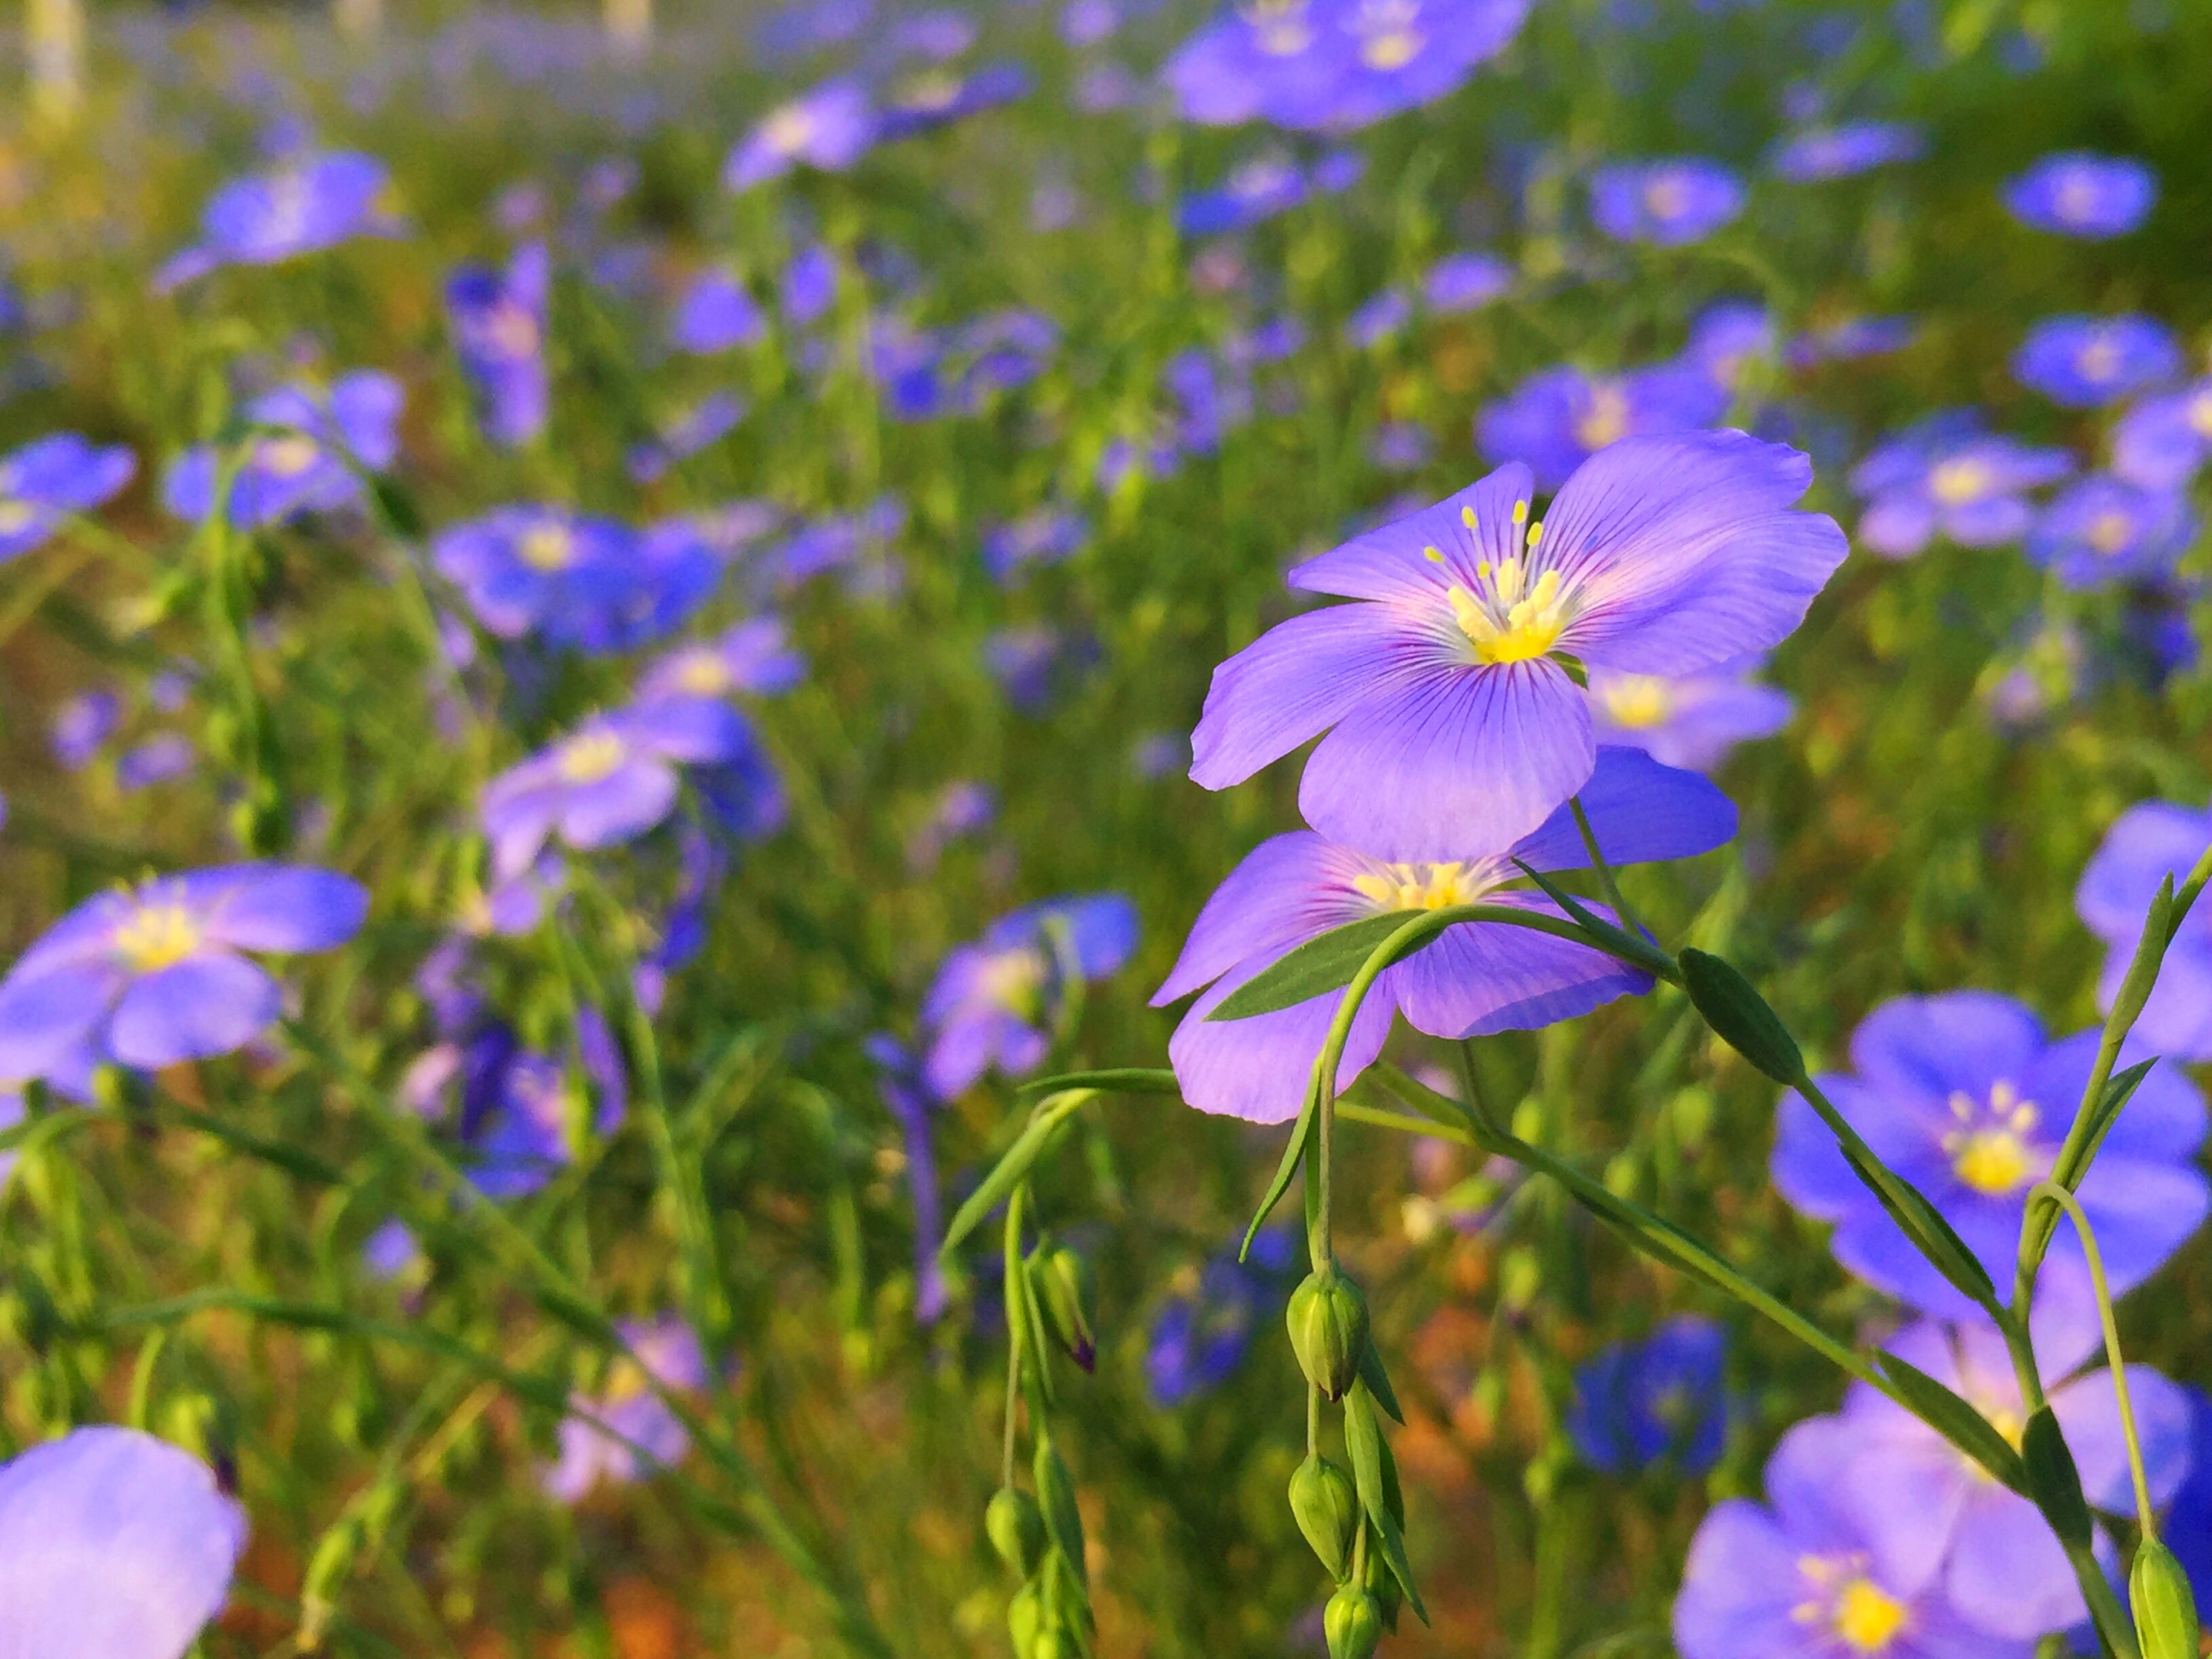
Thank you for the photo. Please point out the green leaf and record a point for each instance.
(1055, 1491)
(1378, 1382)
(1923, 1223)
(2053, 1482)
(1363, 1438)
(397, 507)
(1314, 969)
(1632, 948)
(1955, 1420)
(1025, 1151)
(2042, 1219)
(2142, 967)
(1119, 1079)
(1284, 1171)
(1740, 1017)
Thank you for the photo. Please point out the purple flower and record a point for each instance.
(1923, 1505)
(81, 725)
(1026, 661)
(2101, 528)
(1381, 318)
(937, 97)
(1046, 536)
(810, 286)
(1842, 152)
(1803, 1577)
(907, 1098)
(2080, 194)
(44, 482)
(1663, 1399)
(113, 1543)
(151, 975)
(1850, 340)
(1254, 192)
(1267, 58)
(522, 1140)
(1691, 721)
(1945, 476)
(716, 312)
(1559, 417)
(1477, 978)
(829, 127)
(157, 760)
(1401, 446)
(673, 571)
(652, 1435)
(313, 203)
(1963, 1096)
(1465, 281)
(962, 808)
(993, 1000)
(1199, 1338)
(1733, 343)
(754, 657)
(2147, 842)
(1670, 203)
(1454, 730)
(540, 570)
(498, 324)
(609, 781)
(2085, 363)
(391, 1252)
(302, 469)
(713, 418)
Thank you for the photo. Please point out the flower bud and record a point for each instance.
(1382, 1585)
(1328, 1318)
(1017, 1529)
(1327, 1509)
(1352, 1623)
(1066, 1294)
(2164, 1608)
(1024, 1618)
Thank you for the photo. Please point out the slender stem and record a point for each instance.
(1313, 1421)
(1605, 876)
(1470, 1077)
(1013, 1259)
(2072, 1206)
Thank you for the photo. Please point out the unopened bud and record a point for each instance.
(2159, 1598)
(1352, 1623)
(1382, 1585)
(1053, 1644)
(1327, 1509)
(1066, 1294)
(1017, 1529)
(1327, 1317)
(1024, 1618)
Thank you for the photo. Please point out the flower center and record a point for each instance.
(1988, 1149)
(1422, 886)
(1012, 979)
(157, 936)
(1955, 482)
(2077, 199)
(547, 547)
(1279, 29)
(1388, 39)
(287, 458)
(789, 130)
(15, 516)
(1637, 703)
(2200, 414)
(1606, 421)
(591, 755)
(1667, 197)
(928, 93)
(2110, 532)
(702, 673)
(511, 330)
(1868, 1617)
(289, 199)
(2099, 361)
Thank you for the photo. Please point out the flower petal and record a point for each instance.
(1289, 889)
(287, 908)
(204, 1005)
(626, 803)
(1640, 811)
(1258, 1068)
(1392, 562)
(1483, 977)
(46, 1017)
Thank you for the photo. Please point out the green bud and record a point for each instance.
(1053, 1644)
(1066, 1294)
(1328, 1318)
(1382, 1583)
(1017, 1529)
(1740, 1017)
(1352, 1623)
(1327, 1509)
(2165, 1611)
(1024, 1618)
(1063, 1520)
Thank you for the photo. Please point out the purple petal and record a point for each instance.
(2088, 1410)
(2009, 1573)
(1640, 811)
(1929, 1046)
(1258, 1068)
(46, 1016)
(288, 908)
(691, 729)
(202, 1006)
(1289, 889)
(1392, 562)
(1483, 977)
(1741, 1588)
(626, 803)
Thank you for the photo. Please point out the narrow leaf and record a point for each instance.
(1955, 1420)
(1119, 1079)
(1923, 1223)
(2043, 1213)
(1025, 1151)
(2053, 1482)
(1314, 969)
(1378, 1382)
(1363, 1438)
(1740, 1017)
(1632, 948)
(1284, 1172)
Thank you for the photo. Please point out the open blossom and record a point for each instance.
(829, 127)
(1559, 417)
(2080, 194)
(150, 976)
(44, 482)
(1669, 202)
(1945, 476)
(754, 656)
(716, 312)
(651, 1435)
(2164, 440)
(2147, 843)
(993, 1001)
(1663, 1400)
(1451, 729)
(112, 1543)
(2084, 362)
(2101, 528)
(1691, 720)
(1844, 152)
(1200, 1337)
(539, 568)
(302, 468)
(313, 203)
(498, 324)
(1476, 978)
(1803, 1576)
(1963, 1096)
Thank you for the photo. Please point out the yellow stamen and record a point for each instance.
(15, 516)
(156, 936)
(1868, 1617)
(1605, 421)
(1422, 886)
(547, 547)
(1636, 702)
(2109, 533)
(1962, 479)
(1531, 626)
(287, 458)
(703, 674)
(591, 755)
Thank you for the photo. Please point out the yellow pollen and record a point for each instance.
(626, 1380)
(16, 515)
(1281, 28)
(1392, 50)
(1013, 980)
(1466, 518)
(2109, 533)
(1636, 702)
(1605, 421)
(1432, 555)
(1535, 534)
(1867, 1617)
(1667, 197)
(2200, 414)
(156, 936)
(789, 130)
(702, 673)
(287, 458)
(1421, 886)
(547, 547)
(1955, 482)
(1531, 625)
(591, 755)
(1989, 1160)
(1520, 514)
(931, 92)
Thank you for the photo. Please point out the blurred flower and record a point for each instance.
(1735, 342)
(1842, 152)
(2147, 843)
(1803, 1577)
(301, 470)
(992, 1000)
(81, 725)
(157, 760)
(2084, 362)
(937, 97)
(498, 323)
(1201, 1336)
(152, 974)
(112, 1543)
(44, 482)
(1693, 720)
(810, 286)
(1256, 192)
(314, 202)
(1477, 978)
(651, 1435)
(713, 418)
(2080, 194)
(1026, 661)
(1847, 341)
(391, 1252)
(1670, 203)
(1663, 1400)
(1559, 417)
(743, 793)
(754, 656)
(2163, 441)
(1455, 732)
(608, 781)
(1401, 446)
(1382, 317)
(829, 127)
(1086, 22)
(1045, 536)
(1944, 475)
(540, 570)
(1465, 281)
(2101, 528)
(906, 1097)
(1964, 1096)
(522, 1140)
(962, 808)
(716, 312)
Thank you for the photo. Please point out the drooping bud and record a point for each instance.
(1067, 1293)
(1327, 1317)
(1327, 1509)
(2164, 1610)
(1025, 1618)
(1352, 1623)
(1017, 1529)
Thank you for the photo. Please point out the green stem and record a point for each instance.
(2072, 1206)
(1605, 876)
(1013, 1260)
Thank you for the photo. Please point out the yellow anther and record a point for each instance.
(1432, 556)
(1520, 513)
(156, 936)
(1466, 518)
(1868, 1617)
(589, 755)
